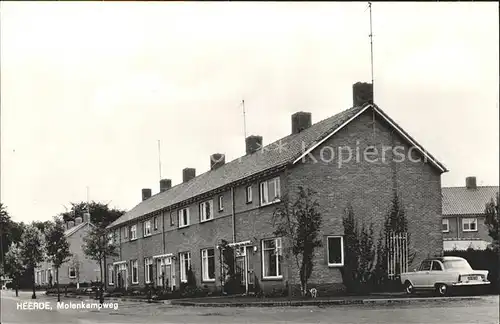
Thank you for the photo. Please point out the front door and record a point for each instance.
(165, 277)
(243, 267)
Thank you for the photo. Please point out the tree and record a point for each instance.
(98, 247)
(492, 221)
(395, 223)
(32, 251)
(57, 248)
(299, 221)
(101, 214)
(360, 253)
(14, 266)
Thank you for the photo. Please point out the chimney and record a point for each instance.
(217, 160)
(253, 143)
(362, 93)
(470, 183)
(188, 174)
(71, 224)
(86, 217)
(300, 121)
(78, 220)
(146, 193)
(165, 184)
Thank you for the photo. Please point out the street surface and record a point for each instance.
(483, 311)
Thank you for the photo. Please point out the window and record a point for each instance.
(155, 223)
(436, 266)
(446, 225)
(133, 232)
(208, 264)
(185, 260)
(221, 203)
(110, 238)
(172, 222)
(206, 211)
(469, 224)
(72, 272)
(335, 247)
(249, 194)
(271, 258)
(135, 271)
(183, 217)
(148, 269)
(126, 230)
(146, 227)
(270, 191)
(111, 274)
(425, 265)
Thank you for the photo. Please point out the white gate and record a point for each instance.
(397, 254)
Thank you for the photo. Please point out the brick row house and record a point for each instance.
(463, 216)
(183, 226)
(78, 269)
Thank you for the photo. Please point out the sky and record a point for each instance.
(88, 88)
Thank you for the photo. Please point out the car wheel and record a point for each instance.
(441, 290)
(409, 289)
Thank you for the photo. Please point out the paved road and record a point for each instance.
(484, 311)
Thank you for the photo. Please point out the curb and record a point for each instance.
(338, 302)
(112, 299)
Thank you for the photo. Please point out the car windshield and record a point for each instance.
(457, 264)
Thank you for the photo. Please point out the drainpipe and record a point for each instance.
(233, 214)
(458, 228)
(163, 229)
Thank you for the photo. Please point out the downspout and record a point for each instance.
(458, 228)
(233, 217)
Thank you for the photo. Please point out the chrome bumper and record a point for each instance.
(471, 283)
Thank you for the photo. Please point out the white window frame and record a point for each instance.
(111, 274)
(278, 251)
(221, 203)
(134, 264)
(146, 228)
(147, 261)
(133, 232)
(110, 238)
(126, 230)
(69, 272)
(264, 191)
(204, 265)
(446, 222)
(248, 194)
(468, 221)
(203, 211)
(180, 214)
(183, 256)
(341, 264)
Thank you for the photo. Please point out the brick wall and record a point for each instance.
(456, 231)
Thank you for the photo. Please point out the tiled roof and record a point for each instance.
(462, 201)
(267, 158)
(74, 229)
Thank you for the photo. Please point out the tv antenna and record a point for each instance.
(244, 119)
(371, 47)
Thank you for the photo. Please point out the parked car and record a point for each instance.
(443, 274)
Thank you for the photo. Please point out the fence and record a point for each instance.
(397, 256)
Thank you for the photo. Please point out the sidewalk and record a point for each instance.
(375, 299)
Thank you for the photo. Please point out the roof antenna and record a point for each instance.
(371, 49)
(244, 119)
(159, 158)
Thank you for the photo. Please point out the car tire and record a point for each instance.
(409, 289)
(441, 290)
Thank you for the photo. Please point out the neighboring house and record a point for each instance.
(79, 269)
(463, 216)
(183, 226)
